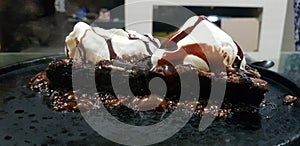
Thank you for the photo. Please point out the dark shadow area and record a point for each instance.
(36, 26)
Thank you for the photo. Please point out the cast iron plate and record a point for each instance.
(26, 120)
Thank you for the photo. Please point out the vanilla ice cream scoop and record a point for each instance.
(196, 41)
(94, 44)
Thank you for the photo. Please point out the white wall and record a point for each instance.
(272, 25)
(288, 43)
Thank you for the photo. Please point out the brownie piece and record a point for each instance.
(60, 72)
(243, 87)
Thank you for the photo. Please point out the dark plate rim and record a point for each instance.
(26, 63)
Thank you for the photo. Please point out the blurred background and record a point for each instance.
(42, 25)
(37, 28)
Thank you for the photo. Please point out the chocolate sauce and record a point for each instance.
(80, 46)
(133, 37)
(178, 56)
(194, 49)
(147, 47)
(171, 42)
(67, 51)
(112, 52)
(200, 50)
(190, 49)
(152, 41)
(239, 58)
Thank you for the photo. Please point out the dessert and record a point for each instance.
(199, 47)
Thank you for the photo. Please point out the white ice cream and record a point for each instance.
(90, 43)
(208, 33)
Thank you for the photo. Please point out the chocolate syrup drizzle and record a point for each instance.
(133, 37)
(194, 49)
(171, 42)
(152, 41)
(67, 52)
(112, 53)
(80, 46)
(239, 58)
(147, 48)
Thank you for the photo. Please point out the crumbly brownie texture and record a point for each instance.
(289, 99)
(244, 90)
(40, 83)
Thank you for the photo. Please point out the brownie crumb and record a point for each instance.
(289, 99)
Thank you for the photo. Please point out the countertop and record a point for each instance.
(289, 66)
